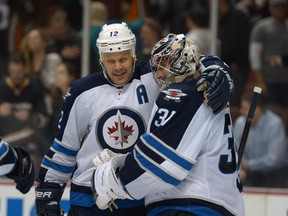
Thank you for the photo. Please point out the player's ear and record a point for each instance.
(134, 58)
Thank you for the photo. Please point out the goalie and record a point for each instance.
(16, 164)
(186, 162)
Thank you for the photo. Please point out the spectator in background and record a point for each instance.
(23, 114)
(16, 17)
(265, 156)
(100, 14)
(278, 61)
(65, 75)
(150, 34)
(39, 64)
(4, 27)
(135, 23)
(74, 11)
(269, 37)
(98, 17)
(254, 9)
(233, 32)
(158, 10)
(197, 22)
(64, 40)
(170, 13)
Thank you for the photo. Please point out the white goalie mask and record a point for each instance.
(182, 54)
(116, 37)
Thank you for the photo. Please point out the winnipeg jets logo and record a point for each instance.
(174, 94)
(120, 131)
(119, 128)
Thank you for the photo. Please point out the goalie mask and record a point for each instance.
(113, 38)
(180, 53)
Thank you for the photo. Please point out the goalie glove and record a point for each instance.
(216, 81)
(48, 196)
(24, 172)
(106, 185)
(105, 156)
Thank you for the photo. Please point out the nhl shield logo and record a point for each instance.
(119, 128)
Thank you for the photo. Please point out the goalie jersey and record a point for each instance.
(96, 115)
(187, 159)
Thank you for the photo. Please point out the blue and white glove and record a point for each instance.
(106, 185)
(216, 82)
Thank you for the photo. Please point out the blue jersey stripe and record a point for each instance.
(197, 210)
(156, 170)
(58, 167)
(63, 150)
(82, 199)
(3, 149)
(173, 156)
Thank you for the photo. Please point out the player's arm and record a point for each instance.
(216, 81)
(59, 162)
(16, 164)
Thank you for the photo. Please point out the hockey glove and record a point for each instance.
(105, 156)
(24, 172)
(218, 86)
(48, 196)
(106, 185)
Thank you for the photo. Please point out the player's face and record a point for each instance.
(118, 66)
(163, 70)
(16, 72)
(163, 75)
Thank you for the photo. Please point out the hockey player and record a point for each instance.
(186, 163)
(110, 110)
(16, 164)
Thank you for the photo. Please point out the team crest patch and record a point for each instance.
(119, 128)
(174, 94)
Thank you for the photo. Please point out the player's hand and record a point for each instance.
(24, 172)
(103, 200)
(48, 197)
(101, 197)
(105, 155)
(106, 185)
(216, 82)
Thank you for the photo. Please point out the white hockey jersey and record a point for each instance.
(96, 115)
(7, 158)
(187, 159)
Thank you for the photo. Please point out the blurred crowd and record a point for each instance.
(41, 49)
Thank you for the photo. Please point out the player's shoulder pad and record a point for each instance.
(141, 69)
(87, 82)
